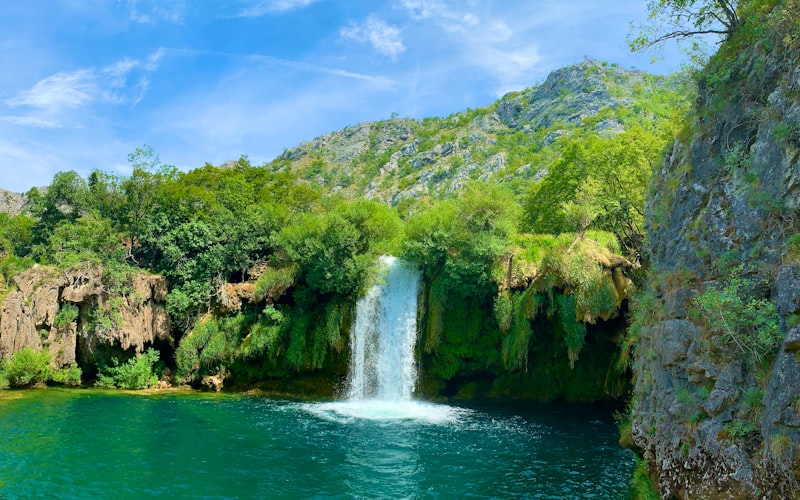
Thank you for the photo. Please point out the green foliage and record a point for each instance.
(573, 331)
(70, 375)
(792, 252)
(516, 344)
(737, 430)
(216, 344)
(67, 314)
(749, 325)
(680, 19)
(575, 262)
(460, 240)
(597, 182)
(136, 373)
(16, 235)
(334, 252)
(274, 281)
(503, 310)
(27, 367)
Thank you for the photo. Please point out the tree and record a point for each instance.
(680, 19)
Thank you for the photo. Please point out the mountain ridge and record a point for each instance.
(512, 139)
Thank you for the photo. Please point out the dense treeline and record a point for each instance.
(309, 255)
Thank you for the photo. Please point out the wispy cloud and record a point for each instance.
(383, 37)
(59, 91)
(151, 11)
(264, 7)
(451, 18)
(49, 100)
(376, 80)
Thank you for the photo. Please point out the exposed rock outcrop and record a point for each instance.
(11, 203)
(37, 315)
(713, 423)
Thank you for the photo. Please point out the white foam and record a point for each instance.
(386, 410)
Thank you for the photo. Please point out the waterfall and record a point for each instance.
(384, 334)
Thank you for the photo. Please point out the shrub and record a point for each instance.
(68, 376)
(66, 316)
(136, 373)
(27, 367)
(750, 325)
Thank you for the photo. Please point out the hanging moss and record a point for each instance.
(597, 298)
(436, 304)
(574, 332)
(296, 355)
(517, 343)
(503, 310)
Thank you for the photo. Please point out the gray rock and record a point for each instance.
(786, 290)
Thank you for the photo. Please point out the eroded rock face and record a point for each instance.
(710, 423)
(105, 320)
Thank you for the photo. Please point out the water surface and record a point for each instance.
(97, 444)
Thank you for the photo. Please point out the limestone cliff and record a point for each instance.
(713, 420)
(74, 316)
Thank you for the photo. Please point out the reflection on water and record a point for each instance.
(89, 444)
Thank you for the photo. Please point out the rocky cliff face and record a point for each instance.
(711, 420)
(74, 317)
(11, 203)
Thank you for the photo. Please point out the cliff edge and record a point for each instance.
(716, 407)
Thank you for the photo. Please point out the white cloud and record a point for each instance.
(274, 7)
(31, 121)
(440, 11)
(383, 37)
(151, 11)
(59, 91)
(50, 100)
(154, 58)
(376, 80)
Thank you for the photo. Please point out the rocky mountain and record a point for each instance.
(511, 141)
(11, 203)
(717, 374)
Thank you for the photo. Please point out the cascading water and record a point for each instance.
(384, 334)
(382, 368)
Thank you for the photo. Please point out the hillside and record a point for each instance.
(512, 141)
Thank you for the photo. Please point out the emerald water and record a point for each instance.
(61, 443)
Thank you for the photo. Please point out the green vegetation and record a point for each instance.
(749, 324)
(65, 316)
(136, 373)
(642, 487)
(28, 367)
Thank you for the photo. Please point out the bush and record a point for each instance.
(750, 325)
(66, 316)
(136, 373)
(68, 376)
(27, 367)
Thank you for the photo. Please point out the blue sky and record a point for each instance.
(85, 82)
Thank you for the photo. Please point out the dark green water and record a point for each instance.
(94, 444)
